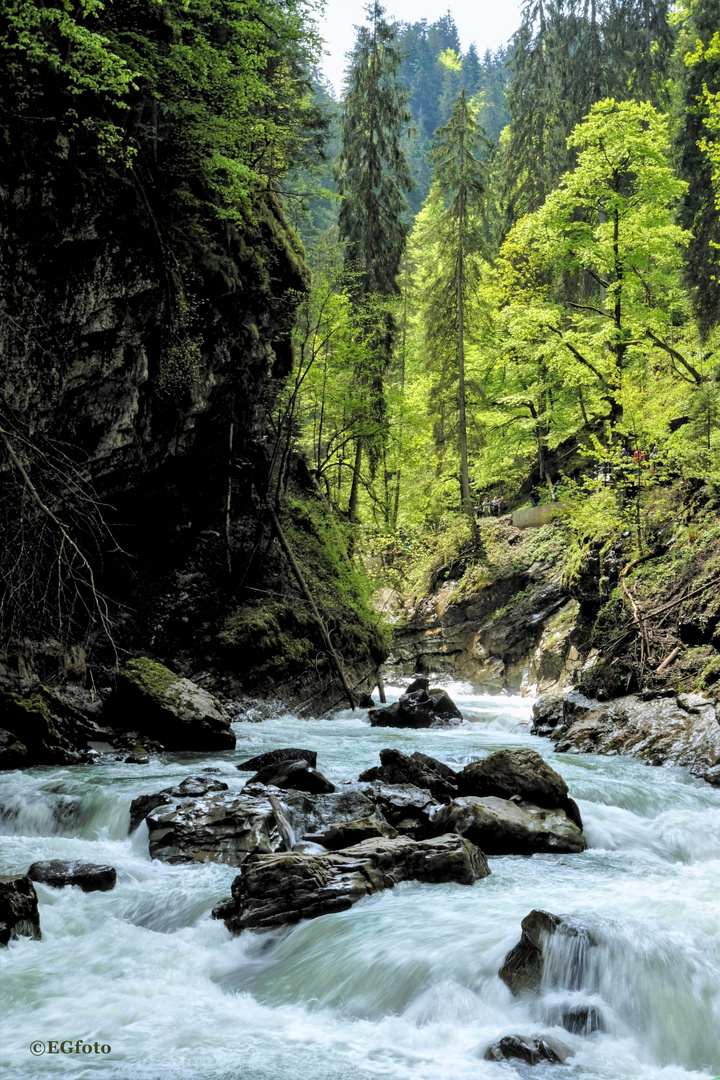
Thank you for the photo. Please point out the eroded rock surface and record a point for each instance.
(520, 1048)
(417, 769)
(526, 965)
(419, 709)
(274, 890)
(295, 775)
(506, 827)
(275, 757)
(190, 788)
(18, 908)
(348, 833)
(522, 773)
(221, 827)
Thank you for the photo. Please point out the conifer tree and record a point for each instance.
(457, 202)
(373, 179)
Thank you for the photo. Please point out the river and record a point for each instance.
(404, 985)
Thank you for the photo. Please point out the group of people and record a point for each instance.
(494, 507)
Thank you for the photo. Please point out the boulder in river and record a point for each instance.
(531, 1050)
(174, 711)
(418, 769)
(222, 827)
(276, 757)
(295, 775)
(274, 890)
(91, 877)
(420, 709)
(408, 808)
(525, 964)
(521, 773)
(506, 827)
(39, 728)
(191, 787)
(19, 915)
(348, 833)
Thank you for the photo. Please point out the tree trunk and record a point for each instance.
(464, 472)
(355, 488)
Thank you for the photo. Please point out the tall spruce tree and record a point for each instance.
(373, 179)
(457, 205)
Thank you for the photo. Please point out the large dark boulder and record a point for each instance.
(191, 787)
(521, 773)
(408, 808)
(222, 827)
(19, 915)
(40, 728)
(420, 709)
(294, 775)
(274, 890)
(506, 827)
(180, 715)
(276, 757)
(13, 753)
(525, 964)
(521, 1048)
(91, 877)
(418, 769)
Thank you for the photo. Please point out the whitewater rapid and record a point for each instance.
(403, 985)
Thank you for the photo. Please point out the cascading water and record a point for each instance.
(405, 984)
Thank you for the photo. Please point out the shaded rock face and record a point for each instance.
(349, 833)
(417, 769)
(18, 908)
(420, 709)
(275, 890)
(91, 877)
(41, 729)
(525, 968)
(505, 827)
(220, 828)
(676, 729)
(294, 774)
(276, 757)
(174, 711)
(408, 809)
(521, 773)
(519, 1048)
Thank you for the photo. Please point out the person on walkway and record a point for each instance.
(534, 496)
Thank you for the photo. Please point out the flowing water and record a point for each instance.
(404, 985)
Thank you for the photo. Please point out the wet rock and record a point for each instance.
(274, 890)
(174, 711)
(220, 827)
(348, 833)
(191, 787)
(681, 729)
(548, 712)
(91, 877)
(408, 808)
(297, 775)
(420, 683)
(19, 915)
(137, 759)
(420, 709)
(580, 1019)
(505, 827)
(312, 814)
(520, 1048)
(419, 769)
(525, 964)
(275, 757)
(522, 773)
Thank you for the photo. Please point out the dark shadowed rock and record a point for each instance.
(521, 1048)
(176, 712)
(275, 757)
(191, 787)
(420, 709)
(521, 773)
(137, 759)
(406, 807)
(526, 964)
(420, 683)
(297, 775)
(419, 769)
(18, 908)
(220, 827)
(40, 728)
(311, 814)
(579, 1019)
(505, 827)
(13, 753)
(348, 833)
(274, 890)
(91, 877)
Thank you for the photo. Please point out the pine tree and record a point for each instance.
(373, 179)
(457, 203)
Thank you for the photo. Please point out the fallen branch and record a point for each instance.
(667, 661)
(284, 827)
